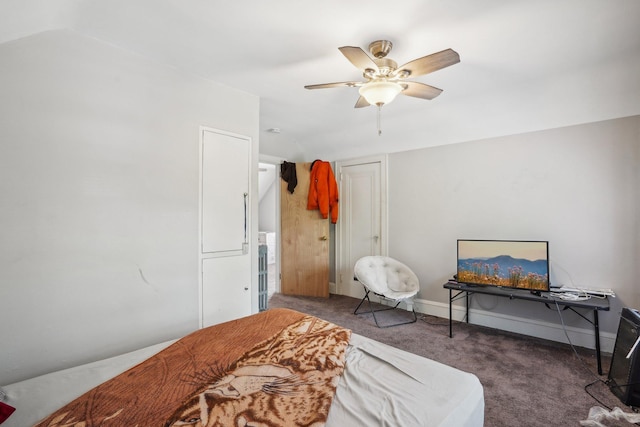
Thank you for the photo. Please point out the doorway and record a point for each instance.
(269, 218)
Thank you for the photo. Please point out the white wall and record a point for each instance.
(99, 207)
(268, 220)
(577, 187)
(268, 178)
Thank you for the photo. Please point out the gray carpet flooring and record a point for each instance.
(527, 381)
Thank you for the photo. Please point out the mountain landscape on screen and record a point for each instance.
(504, 270)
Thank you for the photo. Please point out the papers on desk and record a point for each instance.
(581, 291)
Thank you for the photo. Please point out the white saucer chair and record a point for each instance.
(390, 280)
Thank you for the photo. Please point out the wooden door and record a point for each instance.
(304, 256)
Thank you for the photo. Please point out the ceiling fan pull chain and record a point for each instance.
(379, 110)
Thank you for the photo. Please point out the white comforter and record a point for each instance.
(381, 386)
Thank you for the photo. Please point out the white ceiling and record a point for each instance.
(525, 65)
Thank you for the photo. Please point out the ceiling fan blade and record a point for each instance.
(361, 102)
(329, 85)
(420, 90)
(359, 58)
(428, 64)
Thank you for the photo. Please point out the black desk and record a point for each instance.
(593, 304)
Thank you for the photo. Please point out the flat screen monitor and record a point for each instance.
(505, 263)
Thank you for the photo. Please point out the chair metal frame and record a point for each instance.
(373, 312)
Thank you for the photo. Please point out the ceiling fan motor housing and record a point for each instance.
(385, 65)
(380, 48)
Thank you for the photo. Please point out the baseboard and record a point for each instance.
(580, 337)
(332, 288)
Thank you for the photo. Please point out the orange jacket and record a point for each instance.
(323, 190)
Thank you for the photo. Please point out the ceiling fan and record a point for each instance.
(384, 79)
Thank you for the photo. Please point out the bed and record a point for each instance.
(277, 367)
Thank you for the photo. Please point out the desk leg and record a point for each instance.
(467, 298)
(450, 321)
(597, 330)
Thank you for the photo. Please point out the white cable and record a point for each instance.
(563, 269)
(564, 328)
(633, 348)
(570, 296)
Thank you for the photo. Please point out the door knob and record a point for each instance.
(323, 238)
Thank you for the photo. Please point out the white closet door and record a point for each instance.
(225, 293)
(225, 189)
(225, 260)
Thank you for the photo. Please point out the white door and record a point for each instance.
(362, 227)
(225, 192)
(225, 263)
(225, 292)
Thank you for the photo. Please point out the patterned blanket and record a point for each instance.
(276, 368)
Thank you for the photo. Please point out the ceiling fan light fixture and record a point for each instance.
(380, 92)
